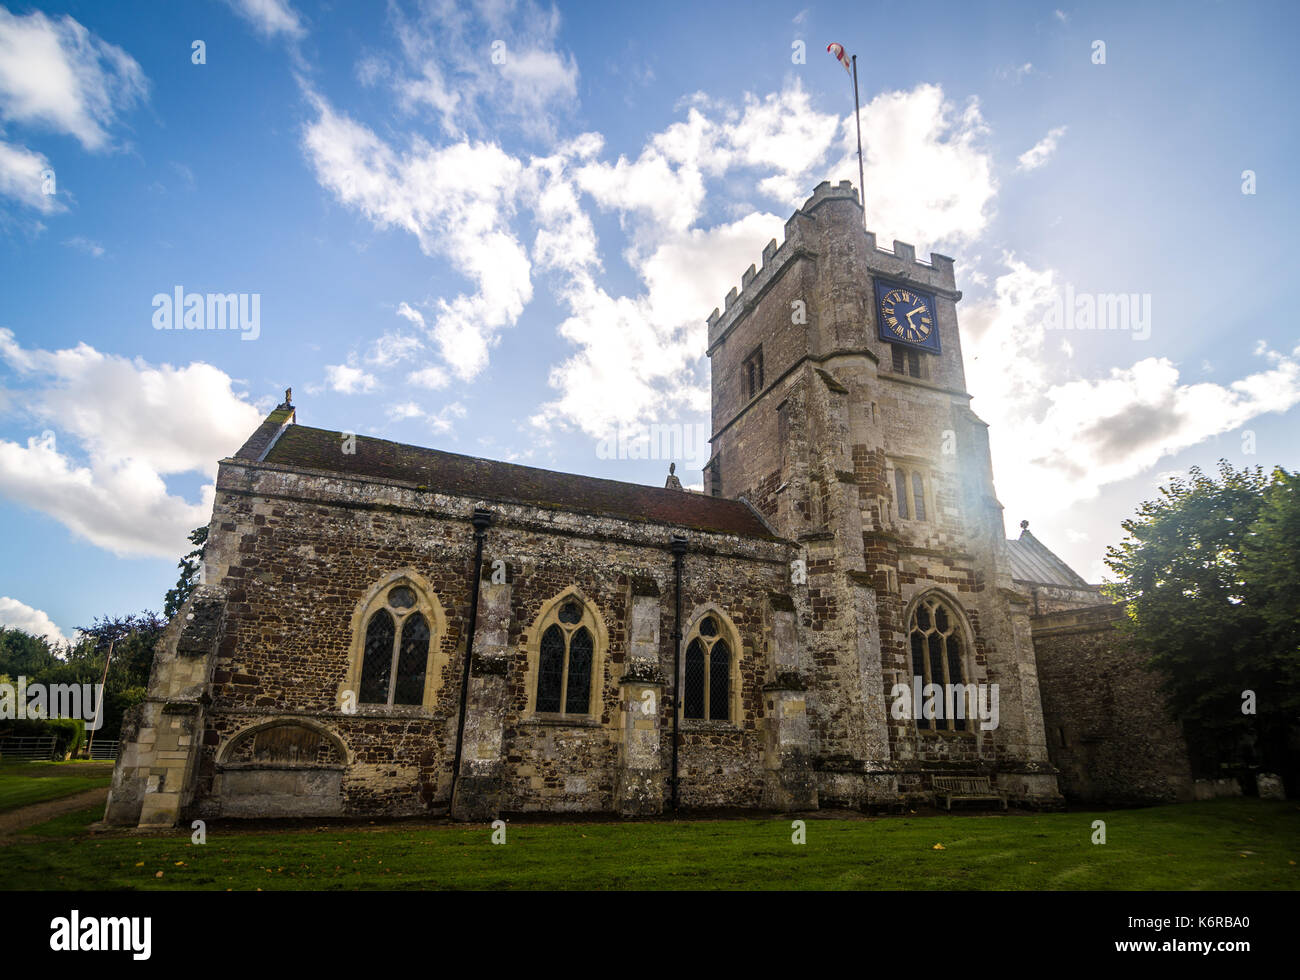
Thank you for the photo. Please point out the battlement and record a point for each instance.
(803, 236)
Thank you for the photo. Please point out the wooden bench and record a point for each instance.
(966, 788)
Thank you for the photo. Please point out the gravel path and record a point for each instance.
(26, 816)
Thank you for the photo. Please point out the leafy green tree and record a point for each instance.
(1271, 569)
(190, 566)
(22, 654)
(131, 639)
(1206, 579)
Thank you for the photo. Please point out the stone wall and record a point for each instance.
(294, 559)
(1108, 731)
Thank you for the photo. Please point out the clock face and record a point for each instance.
(906, 315)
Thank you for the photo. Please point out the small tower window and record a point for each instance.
(907, 361)
(909, 494)
(753, 374)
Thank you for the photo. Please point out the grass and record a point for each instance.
(23, 783)
(1221, 844)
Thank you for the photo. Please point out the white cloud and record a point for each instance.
(348, 380)
(1018, 73)
(131, 424)
(1059, 439)
(456, 200)
(440, 423)
(432, 377)
(56, 74)
(19, 615)
(640, 355)
(21, 178)
(929, 177)
(270, 18)
(404, 310)
(475, 67)
(83, 244)
(1042, 151)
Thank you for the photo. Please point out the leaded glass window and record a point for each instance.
(707, 675)
(918, 497)
(378, 662)
(900, 492)
(550, 670)
(395, 660)
(412, 659)
(566, 659)
(693, 702)
(936, 643)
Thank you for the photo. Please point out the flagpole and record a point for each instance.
(857, 121)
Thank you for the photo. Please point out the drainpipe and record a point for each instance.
(482, 519)
(679, 553)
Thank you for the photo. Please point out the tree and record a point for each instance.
(191, 567)
(1271, 569)
(131, 639)
(1206, 579)
(22, 654)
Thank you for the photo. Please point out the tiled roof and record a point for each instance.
(1032, 561)
(303, 447)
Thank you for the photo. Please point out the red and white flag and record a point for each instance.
(837, 49)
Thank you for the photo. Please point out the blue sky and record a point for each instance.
(509, 249)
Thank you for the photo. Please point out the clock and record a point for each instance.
(906, 315)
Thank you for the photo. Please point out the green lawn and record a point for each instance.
(1222, 844)
(22, 783)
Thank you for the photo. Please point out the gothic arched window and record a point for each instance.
(706, 680)
(936, 638)
(566, 660)
(396, 650)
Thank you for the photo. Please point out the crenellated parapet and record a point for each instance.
(805, 235)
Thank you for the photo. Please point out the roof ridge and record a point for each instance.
(525, 466)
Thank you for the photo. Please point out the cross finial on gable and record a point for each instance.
(1024, 525)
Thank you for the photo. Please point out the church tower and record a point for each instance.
(840, 412)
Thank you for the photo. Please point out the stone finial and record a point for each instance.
(1024, 525)
(672, 483)
(288, 396)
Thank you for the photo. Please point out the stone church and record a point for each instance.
(388, 630)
